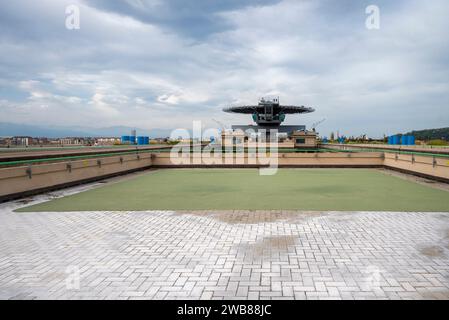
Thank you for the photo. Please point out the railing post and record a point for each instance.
(29, 171)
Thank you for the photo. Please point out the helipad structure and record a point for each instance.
(269, 114)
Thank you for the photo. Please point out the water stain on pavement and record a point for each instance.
(255, 217)
(268, 247)
(25, 200)
(432, 251)
(436, 295)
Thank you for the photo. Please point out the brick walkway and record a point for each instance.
(204, 255)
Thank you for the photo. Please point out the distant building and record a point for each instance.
(72, 141)
(232, 137)
(5, 141)
(304, 139)
(41, 141)
(23, 141)
(107, 141)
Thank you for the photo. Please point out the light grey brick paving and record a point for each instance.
(224, 255)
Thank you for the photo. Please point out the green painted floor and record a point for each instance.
(227, 189)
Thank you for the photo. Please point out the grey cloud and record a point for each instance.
(144, 63)
(195, 19)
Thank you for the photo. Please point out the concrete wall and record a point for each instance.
(432, 167)
(16, 180)
(412, 148)
(330, 159)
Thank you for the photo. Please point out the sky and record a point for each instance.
(164, 63)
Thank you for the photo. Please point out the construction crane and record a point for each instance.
(222, 126)
(314, 125)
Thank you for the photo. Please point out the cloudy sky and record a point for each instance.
(162, 64)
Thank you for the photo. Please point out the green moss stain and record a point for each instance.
(245, 189)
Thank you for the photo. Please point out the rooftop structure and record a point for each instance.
(269, 114)
(304, 139)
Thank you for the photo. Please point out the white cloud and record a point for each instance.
(118, 70)
(100, 103)
(170, 99)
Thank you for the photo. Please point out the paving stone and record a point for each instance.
(223, 255)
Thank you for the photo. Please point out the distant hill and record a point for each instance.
(431, 134)
(13, 129)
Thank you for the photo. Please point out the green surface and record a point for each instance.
(289, 189)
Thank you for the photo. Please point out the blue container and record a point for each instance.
(404, 140)
(132, 139)
(140, 140)
(411, 140)
(125, 139)
(395, 139)
(146, 140)
(390, 139)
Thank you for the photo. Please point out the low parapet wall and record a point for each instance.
(389, 147)
(427, 166)
(23, 180)
(362, 159)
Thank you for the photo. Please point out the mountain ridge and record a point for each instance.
(8, 129)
